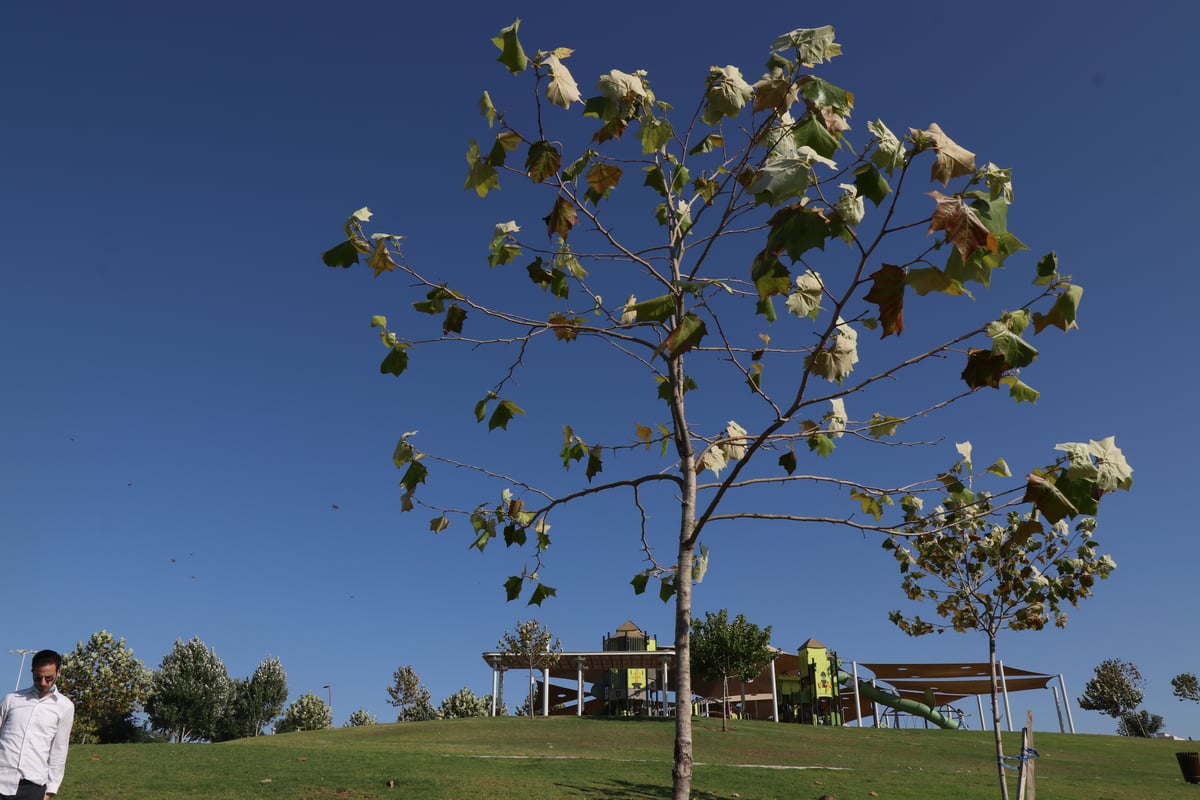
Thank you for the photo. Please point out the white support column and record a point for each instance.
(774, 694)
(666, 673)
(1004, 689)
(874, 708)
(1066, 702)
(1057, 709)
(495, 686)
(579, 687)
(857, 699)
(546, 692)
(979, 701)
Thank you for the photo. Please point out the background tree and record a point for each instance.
(740, 195)
(723, 649)
(532, 644)
(308, 713)
(1185, 687)
(987, 571)
(1141, 724)
(465, 703)
(108, 686)
(360, 718)
(410, 696)
(1115, 689)
(189, 692)
(254, 702)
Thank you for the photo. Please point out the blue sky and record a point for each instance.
(194, 437)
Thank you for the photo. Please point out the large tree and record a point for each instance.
(108, 686)
(531, 643)
(1185, 687)
(987, 571)
(749, 201)
(189, 692)
(722, 649)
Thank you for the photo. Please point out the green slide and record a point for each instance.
(908, 706)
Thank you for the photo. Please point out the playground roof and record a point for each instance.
(925, 672)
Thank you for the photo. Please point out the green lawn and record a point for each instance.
(512, 758)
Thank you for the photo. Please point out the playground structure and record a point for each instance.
(630, 675)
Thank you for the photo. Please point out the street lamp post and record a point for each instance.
(21, 670)
(329, 686)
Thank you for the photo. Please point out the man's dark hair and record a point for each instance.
(44, 657)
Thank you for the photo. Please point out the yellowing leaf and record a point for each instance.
(887, 292)
(813, 45)
(963, 228)
(726, 94)
(806, 300)
(562, 89)
(952, 160)
(562, 217)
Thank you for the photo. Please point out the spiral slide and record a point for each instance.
(890, 700)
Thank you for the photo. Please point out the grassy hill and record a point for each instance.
(511, 758)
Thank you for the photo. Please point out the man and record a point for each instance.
(35, 727)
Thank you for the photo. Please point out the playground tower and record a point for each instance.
(625, 690)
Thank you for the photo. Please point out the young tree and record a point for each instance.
(987, 570)
(1185, 687)
(360, 718)
(465, 703)
(106, 683)
(721, 649)
(308, 713)
(189, 692)
(1115, 689)
(741, 194)
(531, 643)
(412, 698)
(254, 702)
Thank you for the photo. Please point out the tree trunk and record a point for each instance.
(682, 771)
(996, 714)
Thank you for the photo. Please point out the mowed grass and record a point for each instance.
(512, 758)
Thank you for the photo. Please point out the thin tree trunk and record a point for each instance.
(996, 715)
(682, 771)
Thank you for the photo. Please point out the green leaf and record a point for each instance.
(512, 587)
(594, 464)
(481, 175)
(770, 276)
(821, 444)
(514, 534)
(813, 45)
(654, 134)
(781, 180)
(797, 229)
(1047, 270)
(454, 319)
(504, 412)
(413, 476)
(871, 504)
(656, 309)
(1016, 351)
(344, 255)
(576, 167)
(823, 94)
(708, 144)
(540, 593)
(486, 109)
(1018, 391)
(396, 360)
(543, 161)
(871, 184)
(666, 589)
(1047, 499)
(811, 132)
(924, 280)
(726, 95)
(881, 426)
(639, 583)
(684, 337)
(512, 55)
(1062, 315)
(1000, 468)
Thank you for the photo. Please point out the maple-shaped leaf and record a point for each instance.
(887, 292)
(639, 583)
(963, 228)
(540, 593)
(1018, 391)
(1047, 499)
(543, 161)
(439, 524)
(796, 229)
(683, 338)
(505, 143)
(788, 461)
(783, 179)
(602, 178)
(512, 587)
(512, 55)
(396, 361)
(924, 280)
(344, 255)
(561, 218)
(1062, 315)
(454, 319)
(806, 300)
(654, 134)
(1016, 351)
(562, 89)
(889, 152)
(813, 45)
(487, 109)
(594, 463)
(656, 309)
(413, 476)
(481, 175)
(503, 414)
(837, 361)
(952, 159)
(708, 144)
(1047, 269)
(566, 329)
(774, 91)
(726, 95)
(380, 260)
(984, 368)
(881, 426)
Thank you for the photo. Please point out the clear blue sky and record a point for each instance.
(194, 437)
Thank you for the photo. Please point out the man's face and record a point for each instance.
(44, 677)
